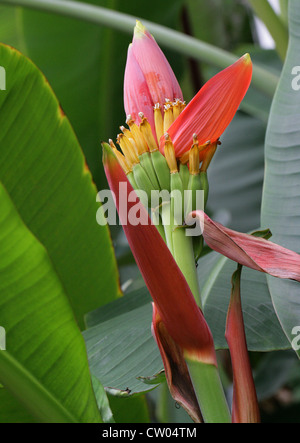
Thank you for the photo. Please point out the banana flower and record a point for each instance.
(163, 136)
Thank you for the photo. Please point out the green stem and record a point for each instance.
(162, 405)
(205, 377)
(183, 252)
(209, 392)
(168, 222)
(274, 24)
(263, 80)
(158, 223)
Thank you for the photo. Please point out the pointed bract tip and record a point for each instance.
(129, 49)
(107, 153)
(106, 146)
(139, 30)
(247, 59)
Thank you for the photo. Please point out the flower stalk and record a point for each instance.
(209, 391)
(173, 300)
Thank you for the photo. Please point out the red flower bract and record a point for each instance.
(254, 252)
(213, 108)
(170, 292)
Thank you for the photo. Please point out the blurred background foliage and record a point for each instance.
(85, 63)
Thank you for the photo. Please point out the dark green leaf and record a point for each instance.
(43, 170)
(263, 330)
(121, 349)
(44, 365)
(281, 197)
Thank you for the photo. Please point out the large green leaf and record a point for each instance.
(121, 350)
(237, 170)
(263, 330)
(281, 365)
(281, 197)
(71, 55)
(43, 170)
(44, 365)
